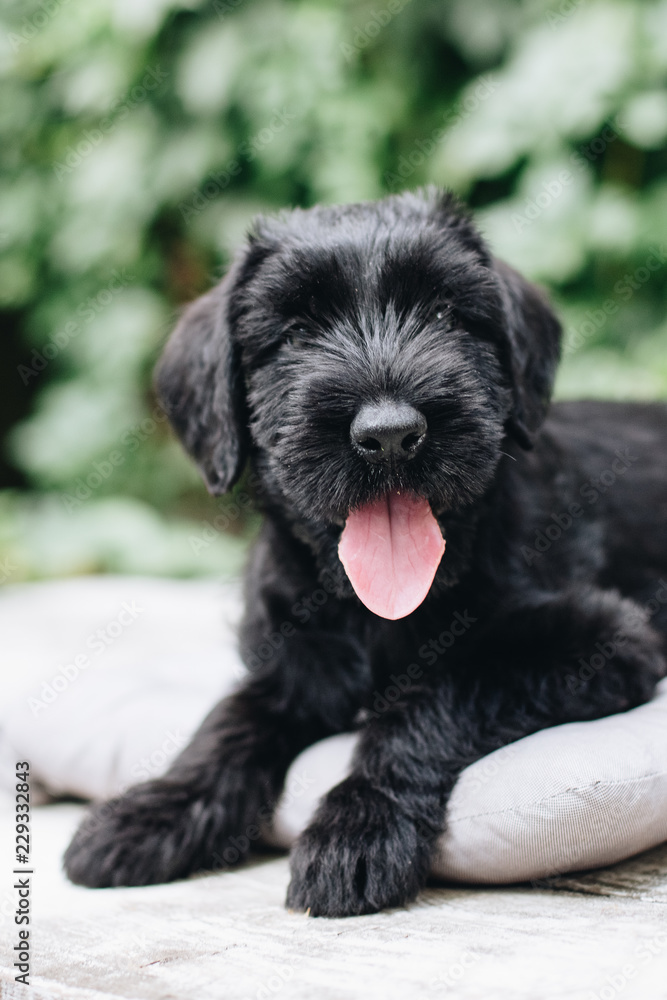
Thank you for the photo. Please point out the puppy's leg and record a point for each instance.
(369, 845)
(207, 810)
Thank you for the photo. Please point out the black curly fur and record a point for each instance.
(549, 604)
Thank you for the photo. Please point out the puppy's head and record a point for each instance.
(370, 359)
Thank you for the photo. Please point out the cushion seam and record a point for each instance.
(556, 795)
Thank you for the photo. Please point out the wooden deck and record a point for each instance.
(229, 936)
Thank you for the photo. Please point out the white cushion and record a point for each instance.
(572, 797)
(565, 799)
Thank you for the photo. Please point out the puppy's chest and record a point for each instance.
(428, 644)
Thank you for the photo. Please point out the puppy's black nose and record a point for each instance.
(388, 432)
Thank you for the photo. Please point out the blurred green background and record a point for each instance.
(138, 139)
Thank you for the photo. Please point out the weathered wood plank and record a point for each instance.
(642, 877)
(229, 936)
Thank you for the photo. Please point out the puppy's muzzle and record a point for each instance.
(388, 432)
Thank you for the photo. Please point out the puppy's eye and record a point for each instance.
(295, 336)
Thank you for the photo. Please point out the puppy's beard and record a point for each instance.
(390, 549)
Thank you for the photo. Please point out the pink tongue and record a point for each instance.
(390, 550)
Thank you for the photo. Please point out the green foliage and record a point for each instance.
(139, 137)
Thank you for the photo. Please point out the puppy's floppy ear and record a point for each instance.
(200, 387)
(532, 342)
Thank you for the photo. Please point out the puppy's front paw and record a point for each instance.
(156, 832)
(360, 854)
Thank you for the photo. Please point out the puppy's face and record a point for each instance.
(360, 354)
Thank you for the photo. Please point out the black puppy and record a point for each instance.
(389, 380)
